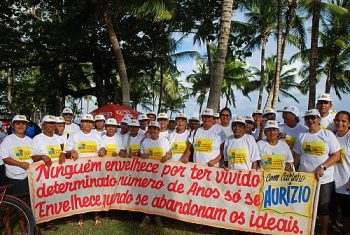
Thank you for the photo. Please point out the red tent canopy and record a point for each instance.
(116, 111)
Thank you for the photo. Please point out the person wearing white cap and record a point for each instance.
(217, 118)
(274, 154)
(225, 121)
(249, 124)
(205, 142)
(84, 144)
(143, 120)
(100, 122)
(193, 122)
(70, 126)
(257, 116)
(179, 138)
(317, 151)
(240, 149)
(124, 128)
(290, 129)
(324, 104)
(114, 143)
(15, 151)
(132, 140)
(59, 130)
(269, 114)
(171, 124)
(163, 120)
(151, 116)
(342, 168)
(158, 148)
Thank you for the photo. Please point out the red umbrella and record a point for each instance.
(116, 111)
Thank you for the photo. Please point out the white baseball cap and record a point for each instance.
(142, 117)
(100, 117)
(87, 117)
(67, 110)
(324, 97)
(216, 115)
(258, 111)
(312, 112)
(249, 118)
(208, 112)
(125, 120)
(19, 118)
(153, 123)
(193, 118)
(239, 119)
(271, 124)
(59, 119)
(269, 111)
(181, 115)
(111, 122)
(162, 116)
(291, 109)
(49, 118)
(134, 122)
(172, 119)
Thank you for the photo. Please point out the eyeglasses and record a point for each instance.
(310, 117)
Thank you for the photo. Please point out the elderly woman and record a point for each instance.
(275, 154)
(317, 151)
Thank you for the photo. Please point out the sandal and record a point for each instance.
(97, 222)
(80, 224)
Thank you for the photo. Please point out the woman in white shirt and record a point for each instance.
(179, 138)
(113, 142)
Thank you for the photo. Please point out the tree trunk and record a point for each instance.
(10, 75)
(290, 15)
(218, 73)
(331, 75)
(262, 72)
(160, 89)
(210, 64)
(276, 87)
(269, 97)
(101, 93)
(118, 56)
(313, 57)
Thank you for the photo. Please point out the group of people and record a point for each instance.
(321, 144)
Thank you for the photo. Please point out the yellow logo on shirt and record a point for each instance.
(272, 161)
(53, 151)
(87, 147)
(203, 145)
(290, 140)
(316, 148)
(342, 156)
(22, 153)
(155, 153)
(238, 155)
(134, 148)
(178, 147)
(111, 148)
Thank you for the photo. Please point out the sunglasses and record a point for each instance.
(310, 117)
(67, 114)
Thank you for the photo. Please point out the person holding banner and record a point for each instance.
(206, 142)
(179, 138)
(114, 143)
(154, 147)
(342, 168)
(317, 151)
(275, 154)
(16, 151)
(59, 130)
(100, 122)
(83, 144)
(132, 140)
(240, 149)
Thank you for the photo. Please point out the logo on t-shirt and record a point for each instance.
(316, 148)
(342, 156)
(178, 147)
(155, 153)
(53, 151)
(87, 147)
(238, 156)
(203, 145)
(272, 161)
(134, 148)
(22, 153)
(111, 148)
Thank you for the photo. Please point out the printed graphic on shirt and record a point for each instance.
(111, 148)
(155, 153)
(290, 140)
(22, 153)
(203, 145)
(272, 161)
(87, 147)
(237, 156)
(134, 148)
(316, 148)
(53, 151)
(342, 156)
(178, 147)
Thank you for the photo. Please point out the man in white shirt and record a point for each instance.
(70, 126)
(324, 104)
(100, 122)
(163, 121)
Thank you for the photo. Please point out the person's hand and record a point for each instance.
(114, 154)
(211, 163)
(164, 159)
(144, 156)
(319, 172)
(101, 152)
(47, 160)
(24, 165)
(73, 155)
(226, 168)
(185, 159)
(62, 158)
(348, 187)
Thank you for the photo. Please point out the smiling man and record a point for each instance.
(324, 104)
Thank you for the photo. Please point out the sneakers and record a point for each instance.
(145, 221)
(158, 221)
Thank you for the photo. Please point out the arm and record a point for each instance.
(333, 158)
(296, 160)
(13, 162)
(186, 155)
(216, 160)
(255, 165)
(44, 158)
(166, 157)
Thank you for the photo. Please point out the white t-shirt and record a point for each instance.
(178, 144)
(342, 168)
(19, 149)
(289, 134)
(314, 150)
(102, 133)
(71, 128)
(46, 145)
(227, 130)
(328, 122)
(206, 143)
(113, 144)
(274, 157)
(164, 134)
(63, 139)
(241, 153)
(87, 145)
(155, 149)
(133, 144)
